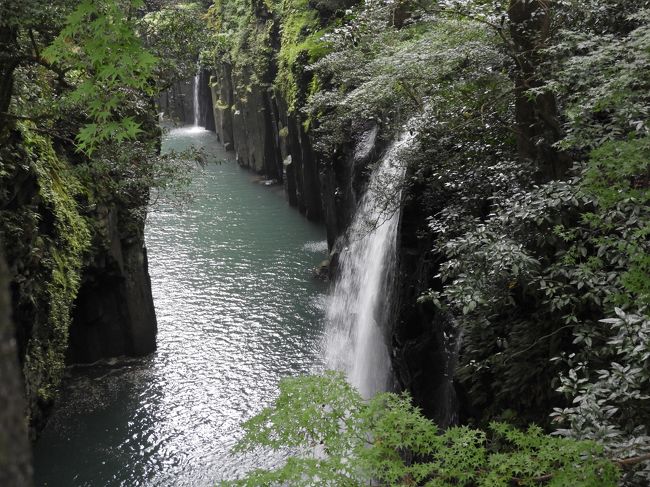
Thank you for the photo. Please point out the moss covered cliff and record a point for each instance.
(73, 190)
(54, 235)
(45, 237)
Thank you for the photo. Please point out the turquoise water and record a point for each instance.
(237, 310)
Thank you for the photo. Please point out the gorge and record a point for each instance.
(237, 309)
(205, 206)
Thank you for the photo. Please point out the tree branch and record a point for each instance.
(22, 117)
(34, 45)
(628, 462)
(52, 133)
(536, 342)
(37, 59)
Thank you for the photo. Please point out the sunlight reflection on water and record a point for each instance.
(237, 310)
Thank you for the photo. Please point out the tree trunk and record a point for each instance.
(538, 127)
(8, 64)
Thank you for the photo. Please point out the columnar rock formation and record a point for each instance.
(269, 139)
(75, 251)
(114, 313)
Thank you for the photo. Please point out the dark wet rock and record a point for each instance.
(322, 271)
(114, 313)
(176, 103)
(206, 112)
(423, 343)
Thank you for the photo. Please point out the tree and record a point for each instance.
(177, 34)
(112, 71)
(336, 438)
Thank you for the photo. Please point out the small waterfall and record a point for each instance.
(361, 298)
(196, 100)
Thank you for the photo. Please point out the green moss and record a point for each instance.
(64, 244)
(245, 32)
(301, 44)
(221, 105)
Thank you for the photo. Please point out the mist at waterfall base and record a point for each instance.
(238, 309)
(361, 300)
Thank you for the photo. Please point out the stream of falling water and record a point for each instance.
(360, 302)
(195, 103)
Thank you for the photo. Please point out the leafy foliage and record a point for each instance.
(337, 438)
(607, 403)
(270, 44)
(177, 35)
(533, 275)
(108, 66)
(243, 39)
(527, 270)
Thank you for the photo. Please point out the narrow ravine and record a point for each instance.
(237, 307)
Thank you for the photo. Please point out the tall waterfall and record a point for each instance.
(196, 100)
(361, 299)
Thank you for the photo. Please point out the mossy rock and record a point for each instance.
(50, 263)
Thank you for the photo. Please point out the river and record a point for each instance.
(237, 310)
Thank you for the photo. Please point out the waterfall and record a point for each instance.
(361, 298)
(196, 100)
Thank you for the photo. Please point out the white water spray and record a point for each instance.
(361, 299)
(196, 100)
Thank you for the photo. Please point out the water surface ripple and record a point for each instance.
(237, 310)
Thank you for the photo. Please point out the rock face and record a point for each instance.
(221, 98)
(177, 104)
(114, 313)
(15, 453)
(79, 283)
(206, 113)
(270, 141)
(423, 339)
(45, 238)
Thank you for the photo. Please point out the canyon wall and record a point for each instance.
(114, 313)
(260, 82)
(272, 142)
(77, 263)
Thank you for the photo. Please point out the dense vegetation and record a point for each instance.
(342, 440)
(530, 155)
